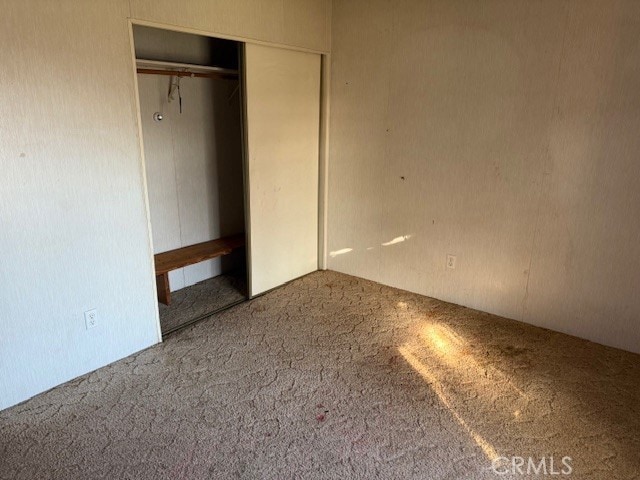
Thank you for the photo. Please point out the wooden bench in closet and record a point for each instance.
(185, 256)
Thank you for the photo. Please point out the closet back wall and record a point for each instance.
(194, 167)
(194, 158)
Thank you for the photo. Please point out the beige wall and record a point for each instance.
(502, 132)
(299, 23)
(72, 210)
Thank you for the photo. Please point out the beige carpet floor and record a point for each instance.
(331, 376)
(194, 302)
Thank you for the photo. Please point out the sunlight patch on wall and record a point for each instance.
(396, 240)
(335, 253)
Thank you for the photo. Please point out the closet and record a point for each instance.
(231, 144)
(190, 105)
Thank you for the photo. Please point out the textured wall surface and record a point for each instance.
(298, 23)
(73, 230)
(73, 226)
(504, 133)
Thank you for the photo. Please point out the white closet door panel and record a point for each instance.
(283, 114)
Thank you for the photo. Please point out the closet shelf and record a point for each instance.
(185, 256)
(182, 257)
(159, 67)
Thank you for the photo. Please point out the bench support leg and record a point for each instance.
(162, 285)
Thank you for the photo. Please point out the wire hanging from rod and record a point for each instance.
(174, 86)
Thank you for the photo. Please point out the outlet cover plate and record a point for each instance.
(451, 261)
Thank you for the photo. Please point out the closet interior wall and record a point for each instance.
(193, 157)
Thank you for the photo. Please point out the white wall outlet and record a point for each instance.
(91, 318)
(451, 261)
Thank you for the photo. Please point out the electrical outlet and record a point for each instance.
(451, 261)
(91, 318)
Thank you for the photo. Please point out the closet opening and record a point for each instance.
(190, 92)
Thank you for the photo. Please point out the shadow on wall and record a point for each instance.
(230, 174)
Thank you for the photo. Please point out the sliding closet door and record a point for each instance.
(282, 120)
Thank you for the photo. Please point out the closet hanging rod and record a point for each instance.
(185, 73)
(161, 67)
